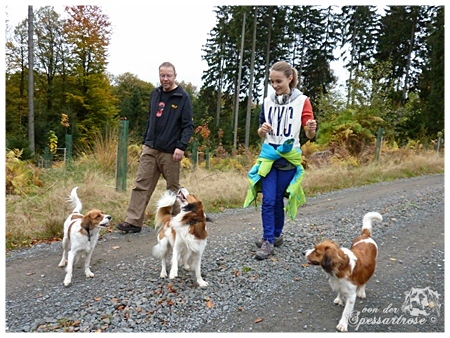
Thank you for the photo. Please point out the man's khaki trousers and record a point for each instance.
(152, 164)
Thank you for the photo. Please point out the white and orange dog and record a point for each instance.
(183, 234)
(348, 270)
(80, 236)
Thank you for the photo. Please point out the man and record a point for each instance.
(169, 128)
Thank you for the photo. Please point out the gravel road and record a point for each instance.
(282, 294)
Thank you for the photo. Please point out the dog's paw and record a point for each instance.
(62, 263)
(342, 326)
(67, 282)
(89, 273)
(163, 274)
(338, 301)
(202, 283)
(362, 294)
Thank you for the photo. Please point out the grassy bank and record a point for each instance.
(38, 214)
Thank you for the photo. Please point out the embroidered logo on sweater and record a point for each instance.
(161, 106)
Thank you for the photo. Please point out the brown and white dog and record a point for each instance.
(80, 236)
(184, 234)
(348, 270)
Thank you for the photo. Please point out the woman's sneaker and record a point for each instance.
(265, 251)
(278, 241)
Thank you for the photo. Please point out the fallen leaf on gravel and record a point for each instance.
(240, 308)
(98, 298)
(296, 279)
(305, 265)
(209, 304)
(393, 259)
(258, 320)
(30, 273)
(116, 247)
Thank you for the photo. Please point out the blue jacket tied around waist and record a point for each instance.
(264, 162)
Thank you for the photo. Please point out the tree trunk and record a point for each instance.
(219, 95)
(30, 82)
(408, 63)
(269, 37)
(248, 117)
(238, 86)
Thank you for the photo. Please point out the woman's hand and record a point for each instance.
(264, 129)
(310, 130)
(311, 125)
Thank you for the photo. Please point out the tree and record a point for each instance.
(432, 81)
(133, 97)
(360, 30)
(87, 31)
(399, 44)
(16, 91)
(314, 38)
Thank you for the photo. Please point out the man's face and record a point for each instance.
(167, 78)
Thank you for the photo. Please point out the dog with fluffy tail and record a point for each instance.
(348, 270)
(182, 233)
(80, 236)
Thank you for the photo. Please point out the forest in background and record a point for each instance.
(394, 57)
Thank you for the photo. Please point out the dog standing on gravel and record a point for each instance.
(184, 234)
(80, 236)
(348, 270)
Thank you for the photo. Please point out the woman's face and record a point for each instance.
(279, 82)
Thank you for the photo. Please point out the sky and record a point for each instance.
(144, 36)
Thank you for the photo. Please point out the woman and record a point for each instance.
(278, 171)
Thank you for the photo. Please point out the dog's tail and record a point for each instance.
(167, 199)
(75, 201)
(157, 250)
(160, 248)
(367, 222)
(164, 207)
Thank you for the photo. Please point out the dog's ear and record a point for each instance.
(332, 260)
(191, 207)
(327, 262)
(87, 223)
